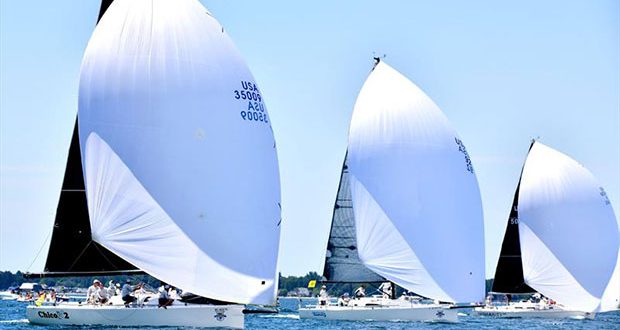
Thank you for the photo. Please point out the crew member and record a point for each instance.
(386, 290)
(91, 297)
(344, 299)
(126, 292)
(360, 292)
(323, 296)
(164, 296)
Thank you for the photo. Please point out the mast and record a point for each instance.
(72, 251)
(509, 272)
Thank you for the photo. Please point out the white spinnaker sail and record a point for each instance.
(415, 197)
(567, 230)
(169, 108)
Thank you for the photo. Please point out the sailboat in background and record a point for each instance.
(408, 208)
(172, 163)
(561, 241)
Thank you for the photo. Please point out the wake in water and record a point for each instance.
(281, 316)
(14, 321)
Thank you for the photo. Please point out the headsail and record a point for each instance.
(567, 229)
(342, 263)
(416, 199)
(72, 250)
(178, 152)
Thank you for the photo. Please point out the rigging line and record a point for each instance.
(80, 255)
(104, 256)
(40, 249)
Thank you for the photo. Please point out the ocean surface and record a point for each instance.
(13, 316)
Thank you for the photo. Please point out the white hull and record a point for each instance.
(556, 312)
(401, 312)
(8, 296)
(229, 316)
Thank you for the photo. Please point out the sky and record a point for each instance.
(503, 72)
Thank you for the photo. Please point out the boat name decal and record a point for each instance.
(321, 314)
(50, 315)
(470, 167)
(255, 110)
(220, 314)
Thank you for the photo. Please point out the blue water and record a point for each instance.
(13, 316)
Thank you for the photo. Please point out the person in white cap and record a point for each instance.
(111, 289)
(323, 296)
(91, 293)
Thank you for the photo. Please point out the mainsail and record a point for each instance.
(342, 263)
(566, 227)
(415, 198)
(72, 250)
(509, 272)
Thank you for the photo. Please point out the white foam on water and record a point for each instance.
(281, 316)
(14, 321)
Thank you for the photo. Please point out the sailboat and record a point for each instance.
(408, 208)
(561, 241)
(172, 171)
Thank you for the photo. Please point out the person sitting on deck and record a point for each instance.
(344, 299)
(386, 290)
(101, 295)
(91, 297)
(164, 296)
(360, 292)
(323, 296)
(111, 289)
(126, 292)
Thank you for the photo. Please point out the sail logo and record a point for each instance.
(256, 109)
(319, 314)
(459, 143)
(604, 195)
(220, 314)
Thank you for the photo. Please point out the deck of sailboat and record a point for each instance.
(382, 309)
(413, 312)
(230, 316)
(529, 310)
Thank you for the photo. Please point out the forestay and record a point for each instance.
(567, 229)
(178, 153)
(415, 196)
